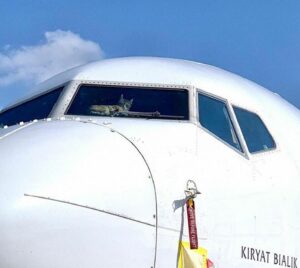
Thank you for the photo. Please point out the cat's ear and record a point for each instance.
(121, 100)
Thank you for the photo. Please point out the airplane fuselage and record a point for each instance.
(100, 180)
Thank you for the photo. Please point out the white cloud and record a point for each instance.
(61, 50)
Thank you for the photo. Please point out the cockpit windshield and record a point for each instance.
(37, 108)
(137, 102)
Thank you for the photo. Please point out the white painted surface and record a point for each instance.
(246, 201)
(84, 164)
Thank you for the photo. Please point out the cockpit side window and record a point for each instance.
(214, 116)
(37, 108)
(125, 101)
(254, 130)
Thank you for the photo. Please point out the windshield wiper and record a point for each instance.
(146, 114)
(156, 114)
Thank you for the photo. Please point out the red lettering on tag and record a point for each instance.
(191, 216)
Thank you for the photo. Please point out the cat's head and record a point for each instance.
(126, 104)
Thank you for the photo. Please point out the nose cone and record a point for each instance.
(74, 194)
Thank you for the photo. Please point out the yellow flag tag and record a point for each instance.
(191, 258)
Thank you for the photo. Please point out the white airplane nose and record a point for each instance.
(74, 194)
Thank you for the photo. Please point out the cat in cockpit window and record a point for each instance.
(122, 107)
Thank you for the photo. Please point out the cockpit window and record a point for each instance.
(214, 116)
(37, 108)
(138, 102)
(255, 132)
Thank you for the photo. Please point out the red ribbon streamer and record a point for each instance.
(191, 216)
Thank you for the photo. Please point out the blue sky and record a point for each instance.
(259, 40)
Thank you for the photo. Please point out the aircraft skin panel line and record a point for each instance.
(91, 208)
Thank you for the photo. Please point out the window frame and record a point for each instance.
(264, 124)
(76, 86)
(36, 96)
(233, 120)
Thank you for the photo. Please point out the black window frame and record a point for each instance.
(233, 122)
(135, 85)
(33, 98)
(263, 123)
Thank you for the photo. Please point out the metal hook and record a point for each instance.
(191, 189)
